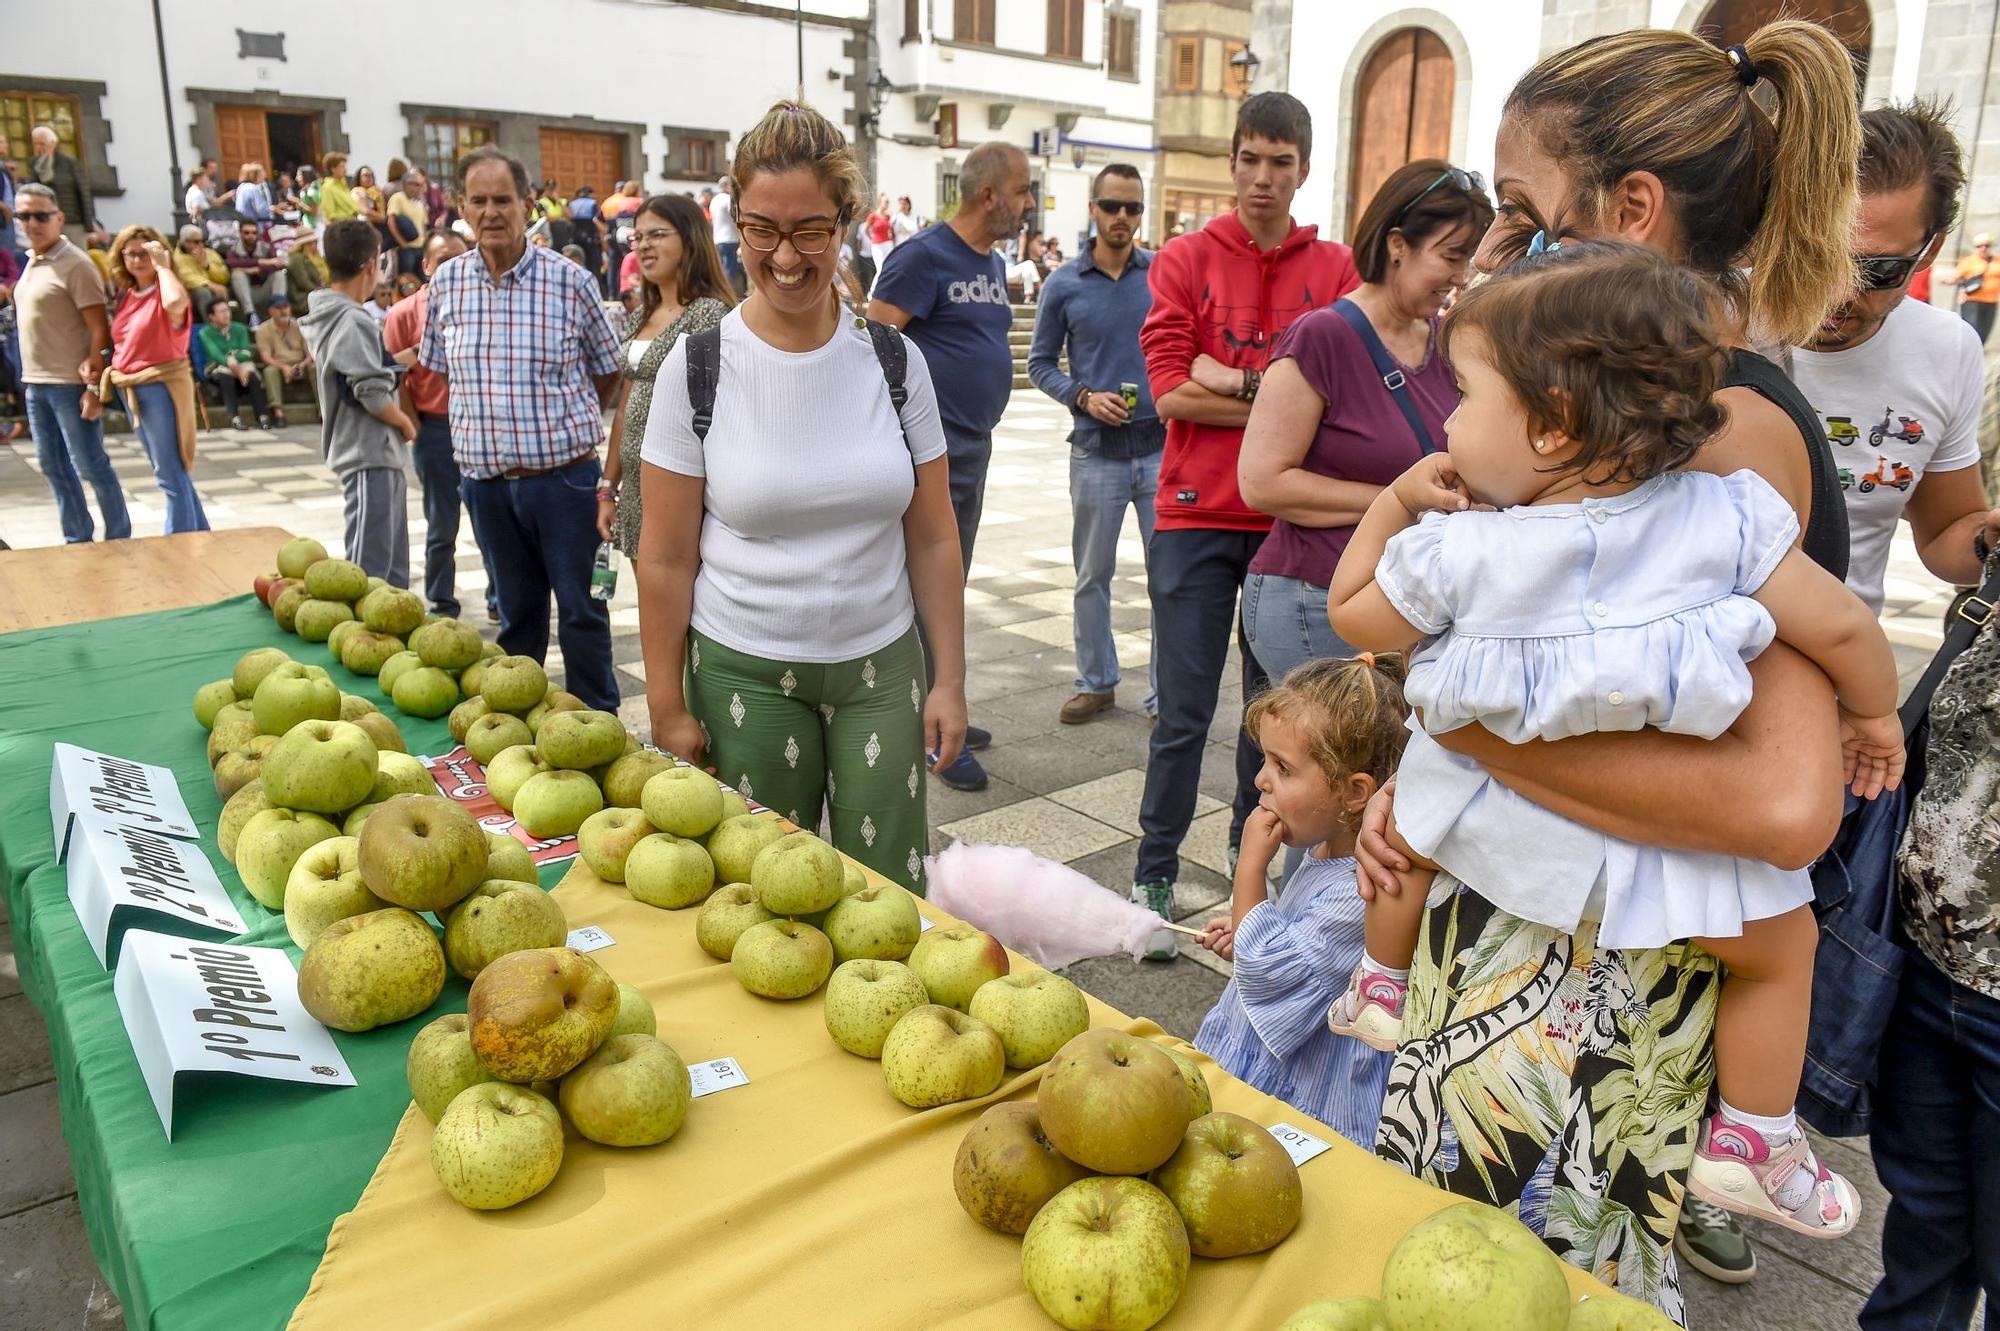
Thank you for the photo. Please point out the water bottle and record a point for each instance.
(604, 573)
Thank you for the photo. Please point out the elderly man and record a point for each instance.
(409, 222)
(64, 335)
(521, 335)
(65, 177)
(283, 356)
(201, 270)
(255, 270)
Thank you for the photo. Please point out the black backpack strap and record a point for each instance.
(895, 359)
(1393, 378)
(1968, 616)
(704, 369)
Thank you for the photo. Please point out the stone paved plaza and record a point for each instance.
(1069, 793)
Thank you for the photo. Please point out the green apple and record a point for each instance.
(441, 1064)
(554, 804)
(556, 700)
(462, 716)
(1033, 1012)
(513, 683)
(315, 619)
(325, 885)
(781, 959)
(365, 652)
(1236, 1189)
(252, 666)
(537, 1014)
(497, 917)
(627, 776)
(864, 1001)
(510, 770)
(724, 916)
(353, 707)
(248, 801)
(425, 691)
(400, 774)
(1355, 1312)
(394, 669)
(607, 838)
(879, 921)
(635, 1014)
(383, 731)
(682, 800)
(392, 611)
(796, 874)
(508, 858)
(634, 1091)
(489, 651)
(1197, 1084)
(336, 639)
(1114, 1103)
(937, 1055)
(285, 606)
(1474, 1265)
(472, 679)
(733, 805)
(212, 698)
(270, 844)
(321, 767)
(448, 644)
(581, 739)
(299, 554)
(235, 726)
(1108, 1254)
(292, 693)
(238, 766)
(357, 817)
(736, 842)
(1616, 1312)
(489, 734)
(371, 970)
(422, 852)
(336, 580)
(496, 1146)
(1006, 1169)
(954, 962)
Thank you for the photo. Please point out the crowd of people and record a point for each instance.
(1522, 507)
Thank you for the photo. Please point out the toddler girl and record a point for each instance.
(1330, 732)
(1570, 576)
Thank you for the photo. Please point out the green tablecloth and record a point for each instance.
(225, 1225)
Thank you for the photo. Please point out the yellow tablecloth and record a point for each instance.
(807, 1198)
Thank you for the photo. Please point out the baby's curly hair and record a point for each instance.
(1610, 343)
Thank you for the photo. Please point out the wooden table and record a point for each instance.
(74, 584)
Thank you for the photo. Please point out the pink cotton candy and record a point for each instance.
(1048, 911)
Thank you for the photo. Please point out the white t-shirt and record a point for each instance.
(807, 479)
(722, 220)
(904, 225)
(1901, 405)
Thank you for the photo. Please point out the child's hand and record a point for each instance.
(1263, 837)
(1871, 751)
(1218, 937)
(1433, 486)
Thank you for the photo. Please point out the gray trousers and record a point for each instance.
(377, 528)
(245, 287)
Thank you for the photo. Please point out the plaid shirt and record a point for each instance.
(520, 354)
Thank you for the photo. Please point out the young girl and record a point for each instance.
(1331, 732)
(1572, 576)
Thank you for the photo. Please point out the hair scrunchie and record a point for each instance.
(1746, 69)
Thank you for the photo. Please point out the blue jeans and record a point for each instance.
(1936, 1143)
(967, 456)
(159, 431)
(541, 534)
(437, 473)
(66, 443)
(732, 267)
(1100, 489)
(1284, 621)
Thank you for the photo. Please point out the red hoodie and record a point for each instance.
(1214, 291)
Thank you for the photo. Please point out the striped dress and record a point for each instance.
(1293, 958)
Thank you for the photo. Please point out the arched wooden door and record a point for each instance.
(1727, 22)
(1402, 111)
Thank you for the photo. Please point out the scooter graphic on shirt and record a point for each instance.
(1911, 430)
(1841, 430)
(1887, 473)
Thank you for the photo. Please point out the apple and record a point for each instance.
(879, 921)
(235, 726)
(336, 580)
(557, 700)
(473, 678)
(733, 805)
(554, 804)
(865, 998)
(321, 767)
(237, 767)
(299, 554)
(489, 734)
(724, 916)
(537, 1014)
(292, 693)
(510, 770)
(441, 1064)
(489, 651)
(336, 640)
(634, 1091)
(1197, 1084)
(496, 1146)
(400, 774)
(261, 584)
(1355, 1312)
(383, 731)
(497, 917)
(936, 1055)
(607, 838)
(1474, 1265)
(582, 739)
(212, 698)
(422, 852)
(278, 587)
(513, 683)
(248, 801)
(270, 844)
(796, 874)
(462, 716)
(371, 970)
(392, 611)
(285, 606)
(508, 858)
(1236, 1189)
(314, 619)
(357, 817)
(635, 1014)
(781, 959)
(353, 707)
(1007, 1169)
(736, 842)
(1033, 1012)
(365, 652)
(626, 778)
(954, 962)
(325, 885)
(448, 644)
(1113, 1102)
(425, 691)
(394, 669)
(1616, 1312)
(682, 800)
(1107, 1254)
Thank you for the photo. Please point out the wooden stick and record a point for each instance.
(1180, 928)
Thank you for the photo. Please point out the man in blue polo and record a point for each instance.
(946, 287)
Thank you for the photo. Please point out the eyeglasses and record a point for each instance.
(656, 236)
(1467, 182)
(806, 240)
(1886, 272)
(1130, 207)
(27, 216)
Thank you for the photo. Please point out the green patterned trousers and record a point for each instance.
(848, 737)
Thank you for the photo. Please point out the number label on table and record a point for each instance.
(1298, 1143)
(717, 1074)
(925, 923)
(589, 938)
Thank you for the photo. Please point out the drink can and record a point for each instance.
(1131, 392)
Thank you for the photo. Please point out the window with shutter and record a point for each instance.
(1121, 45)
(1066, 28)
(1187, 64)
(972, 21)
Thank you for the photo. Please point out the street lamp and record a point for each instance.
(1245, 65)
(879, 89)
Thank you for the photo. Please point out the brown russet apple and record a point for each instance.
(536, 1014)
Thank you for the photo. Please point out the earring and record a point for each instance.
(1542, 444)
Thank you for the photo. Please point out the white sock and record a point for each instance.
(1369, 963)
(1777, 1129)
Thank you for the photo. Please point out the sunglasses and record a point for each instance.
(1467, 182)
(1886, 272)
(1130, 207)
(26, 216)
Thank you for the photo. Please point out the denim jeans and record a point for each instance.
(1100, 490)
(541, 534)
(159, 430)
(65, 444)
(968, 456)
(732, 266)
(1284, 620)
(1193, 575)
(437, 473)
(1936, 1143)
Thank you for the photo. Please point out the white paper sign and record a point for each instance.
(1298, 1143)
(589, 938)
(116, 868)
(718, 1074)
(86, 784)
(209, 1007)
(925, 923)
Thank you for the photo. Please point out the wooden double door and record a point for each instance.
(281, 140)
(573, 157)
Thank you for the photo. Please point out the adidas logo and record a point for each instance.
(981, 290)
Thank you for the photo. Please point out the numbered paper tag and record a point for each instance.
(1298, 1143)
(718, 1074)
(589, 938)
(86, 784)
(115, 870)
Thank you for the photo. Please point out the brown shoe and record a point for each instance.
(1084, 706)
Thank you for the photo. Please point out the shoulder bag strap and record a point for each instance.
(1393, 378)
(704, 370)
(1968, 617)
(895, 359)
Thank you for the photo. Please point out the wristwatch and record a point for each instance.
(1083, 393)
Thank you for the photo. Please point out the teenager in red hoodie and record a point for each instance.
(1221, 297)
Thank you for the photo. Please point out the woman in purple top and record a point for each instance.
(1327, 433)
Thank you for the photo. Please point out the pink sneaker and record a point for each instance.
(1736, 1168)
(1371, 1010)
